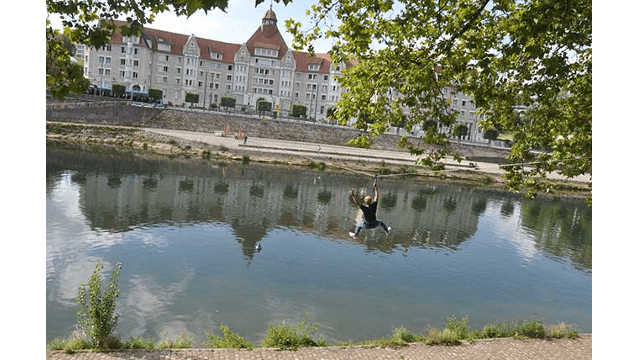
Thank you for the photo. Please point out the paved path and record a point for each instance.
(506, 348)
(323, 151)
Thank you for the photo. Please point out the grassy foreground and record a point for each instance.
(287, 336)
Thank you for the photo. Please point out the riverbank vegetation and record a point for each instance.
(97, 321)
(287, 336)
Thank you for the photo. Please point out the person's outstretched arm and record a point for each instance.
(355, 199)
(375, 189)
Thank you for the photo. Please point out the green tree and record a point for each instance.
(460, 130)
(96, 314)
(264, 106)
(118, 89)
(534, 55)
(491, 133)
(299, 110)
(192, 98)
(155, 94)
(89, 23)
(228, 102)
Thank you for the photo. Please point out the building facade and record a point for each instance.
(262, 69)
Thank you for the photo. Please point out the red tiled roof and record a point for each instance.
(268, 34)
(303, 61)
(177, 42)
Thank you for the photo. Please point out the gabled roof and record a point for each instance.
(303, 61)
(268, 35)
(177, 42)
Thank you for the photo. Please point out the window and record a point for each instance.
(314, 67)
(135, 75)
(464, 102)
(123, 62)
(199, 83)
(230, 67)
(179, 70)
(326, 78)
(106, 48)
(135, 62)
(123, 50)
(166, 58)
(229, 77)
(164, 79)
(165, 69)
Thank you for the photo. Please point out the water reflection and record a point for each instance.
(255, 199)
(206, 243)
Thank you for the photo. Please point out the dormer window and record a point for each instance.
(314, 67)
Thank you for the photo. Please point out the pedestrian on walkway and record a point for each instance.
(369, 209)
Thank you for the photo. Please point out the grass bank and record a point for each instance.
(288, 336)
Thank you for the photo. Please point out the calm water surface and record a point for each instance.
(186, 233)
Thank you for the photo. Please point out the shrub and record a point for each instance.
(139, 343)
(245, 159)
(460, 328)
(287, 337)
(229, 340)
(498, 330)
(180, 341)
(562, 331)
(532, 329)
(96, 316)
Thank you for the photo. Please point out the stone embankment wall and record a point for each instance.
(252, 126)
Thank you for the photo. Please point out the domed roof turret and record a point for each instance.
(270, 17)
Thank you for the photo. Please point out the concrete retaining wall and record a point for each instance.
(252, 126)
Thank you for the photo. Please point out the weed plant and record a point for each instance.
(180, 341)
(229, 340)
(285, 336)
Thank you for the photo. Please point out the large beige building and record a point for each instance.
(263, 68)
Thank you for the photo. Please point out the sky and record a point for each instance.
(236, 26)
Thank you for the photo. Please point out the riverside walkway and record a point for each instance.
(505, 348)
(336, 152)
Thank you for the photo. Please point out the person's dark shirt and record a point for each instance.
(369, 212)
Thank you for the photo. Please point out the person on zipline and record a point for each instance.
(369, 209)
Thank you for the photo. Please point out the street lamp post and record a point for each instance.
(101, 71)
